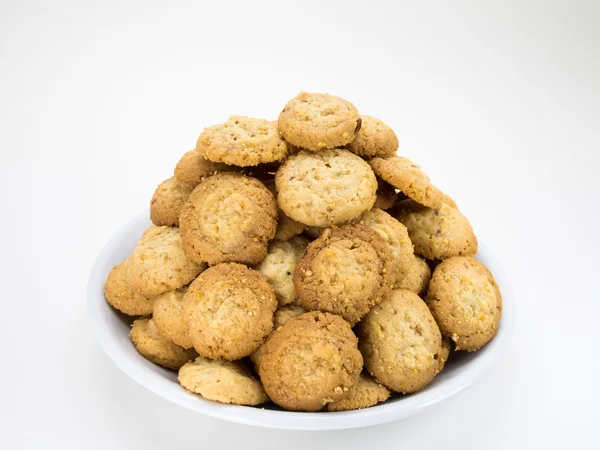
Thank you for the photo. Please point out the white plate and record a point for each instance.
(112, 328)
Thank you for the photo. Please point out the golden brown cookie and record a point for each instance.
(437, 234)
(159, 263)
(405, 175)
(310, 361)
(286, 226)
(318, 121)
(229, 309)
(120, 295)
(193, 167)
(445, 352)
(466, 302)
(242, 141)
(156, 348)
(400, 342)
(325, 188)
(168, 317)
(374, 138)
(417, 278)
(222, 381)
(167, 201)
(278, 267)
(386, 195)
(449, 200)
(346, 271)
(229, 218)
(366, 392)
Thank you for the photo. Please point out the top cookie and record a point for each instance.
(405, 175)
(193, 167)
(374, 138)
(242, 141)
(318, 121)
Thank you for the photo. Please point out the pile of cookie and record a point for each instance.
(291, 261)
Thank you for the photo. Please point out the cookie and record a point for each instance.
(120, 295)
(325, 188)
(445, 352)
(228, 218)
(449, 200)
(386, 195)
(346, 271)
(222, 381)
(437, 234)
(318, 121)
(405, 175)
(400, 342)
(395, 235)
(229, 310)
(374, 138)
(466, 302)
(193, 167)
(167, 201)
(310, 361)
(417, 278)
(366, 392)
(156, 348)
(278, 267)
(168, 317)
(286, 226)
(242, 141)
(159, 263)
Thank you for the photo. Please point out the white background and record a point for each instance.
(498, 101)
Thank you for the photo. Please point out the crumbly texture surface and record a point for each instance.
(229, 310)
(417, 278)
(229, 218)
(120, 295)
(466, 302)
(437, 235)
(286, 226)
(278, 267)
(222, 381)
(319, 121)
(400, 342)
(364, 393)
(405, 175)
(395, 236)
(242, 141)
(325, 188)
(193, 167)
(159, 263)
(310, 361)
(167, 201)
(156, 348)
(346, 271)
(386, 195)
(374, 138)
(168, 317)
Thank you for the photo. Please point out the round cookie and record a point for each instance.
(156, 348)
(445, 352)
(278, 267)
(366, 392)
(120, 295)
(400, 342)
(325, 188)
(228, 218)
(417, 278)
(229, 310)
(346, 271)
(466, 302)
(386, 195)
(167, 201)
(242, 141)
(310, 361)
(405, 175)
(449, 200)
(286, 226)
(395, 235)
(193, 167)
(318, 121)
(169, 319)
(222, 381)
(374, 138)
(437, 234)
(159, 263)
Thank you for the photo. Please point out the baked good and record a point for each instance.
(364, 393)
(193, 167)
(167, 201)
(417, 278)
(120, 295)
(286, 226)
(386, 195)
(169, 319)
(374, 138)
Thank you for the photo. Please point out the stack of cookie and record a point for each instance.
(291, 261)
